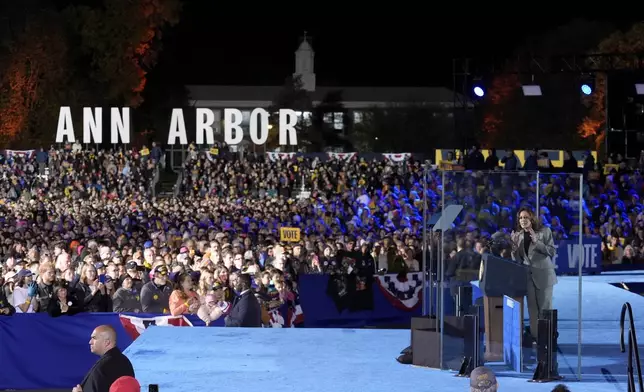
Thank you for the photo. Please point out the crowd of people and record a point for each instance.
(80, 229)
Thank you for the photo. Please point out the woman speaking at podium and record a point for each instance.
(534, 246)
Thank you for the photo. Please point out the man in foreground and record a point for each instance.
(111, 366)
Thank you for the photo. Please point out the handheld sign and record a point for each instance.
(289, 234)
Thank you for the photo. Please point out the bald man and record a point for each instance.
(111, 366)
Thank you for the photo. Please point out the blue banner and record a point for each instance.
(567, 258)
(41, 352)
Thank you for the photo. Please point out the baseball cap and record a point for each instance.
(161, 269)
(131, 265)
(482, 379)
(125, 384)
(23, 273)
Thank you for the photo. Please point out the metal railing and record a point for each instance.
(177, 185)
(633, 350)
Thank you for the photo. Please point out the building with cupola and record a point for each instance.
(355, 100)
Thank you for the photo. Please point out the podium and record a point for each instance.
(500, 277)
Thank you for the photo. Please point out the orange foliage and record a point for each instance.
(589, 127)
(631, 41)
(22, 80)
(592, 125)
(15, 113)
(121, 60)
(502, 87)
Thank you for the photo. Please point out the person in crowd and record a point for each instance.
(136, 272)
(246, 311)
(92, 292)
(213, 307)
(23, 287)
(111, 366)
(63, 303)
(45, 289)
(183, 298)
(155, 295)
(6, 309)
(126, 299)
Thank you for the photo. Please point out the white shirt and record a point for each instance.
(20, 297)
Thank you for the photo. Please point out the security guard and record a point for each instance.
(155, 295)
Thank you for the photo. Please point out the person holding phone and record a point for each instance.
(533, 246)
(91, 293)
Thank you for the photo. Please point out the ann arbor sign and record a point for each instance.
(119, 121)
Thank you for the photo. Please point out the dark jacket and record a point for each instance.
(126, 301)
(4, 303)
(246, 311)
(155, 299)
(106, 370)
(44, 295)
(98, 302)
(53, 307)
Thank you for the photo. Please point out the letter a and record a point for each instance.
(177, 128)
(65, 126)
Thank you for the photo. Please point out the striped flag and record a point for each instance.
(135, 325)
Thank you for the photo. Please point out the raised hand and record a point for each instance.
(515, 238)
(533, 235)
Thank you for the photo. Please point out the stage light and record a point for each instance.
(478, 91)
(587, 85)
(587, 89)
(531, 90)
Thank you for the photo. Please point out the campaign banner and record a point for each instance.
(567, 257)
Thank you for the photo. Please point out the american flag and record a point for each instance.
(135, 325)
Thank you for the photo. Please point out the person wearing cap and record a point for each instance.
(134, 271)
(483, 379)
(126, 299)
(155, 295)
(22, 301)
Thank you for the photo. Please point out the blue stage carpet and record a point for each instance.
(326, 360)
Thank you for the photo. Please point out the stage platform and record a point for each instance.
(325, 360)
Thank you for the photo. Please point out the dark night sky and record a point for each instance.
(359, 49)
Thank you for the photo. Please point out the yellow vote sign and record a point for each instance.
(289, 234)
